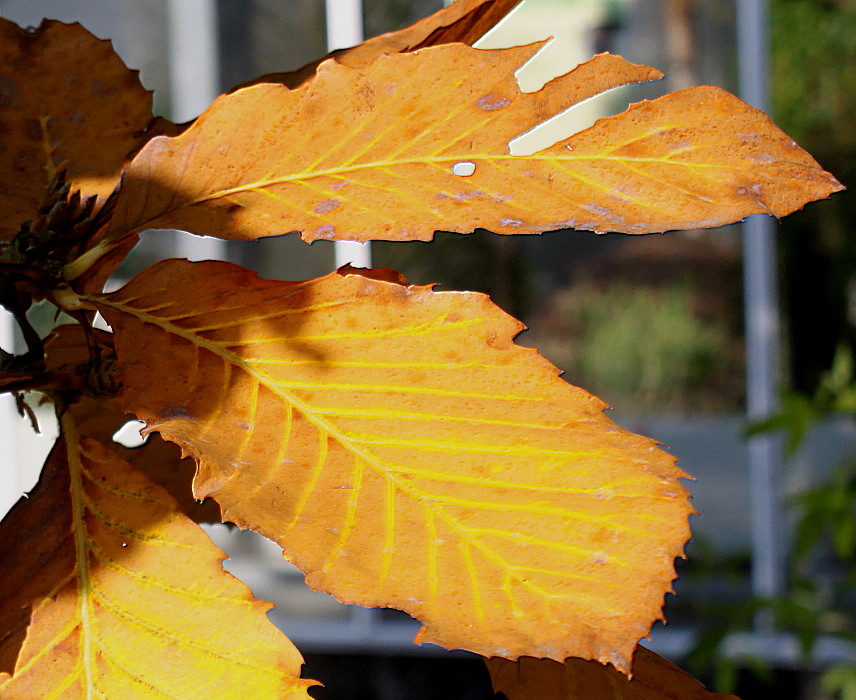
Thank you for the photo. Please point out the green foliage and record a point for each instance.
(842, 680)
(815, 70)
(829, 509)
(835, 395)
(819, 601)
(642, 347)
(814, 99)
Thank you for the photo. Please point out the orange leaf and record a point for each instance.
(654, 678)
(347, 124)
(66, 349)
(116, 594)
(406, 453)
(157, 459)
(66, 102)
(364, 154)
(463, 22)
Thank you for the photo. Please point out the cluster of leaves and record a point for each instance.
(824, 542)
(822, 566)
(393, 439)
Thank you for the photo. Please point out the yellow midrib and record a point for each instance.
(261, 185)
(472, 157)
(84, 583)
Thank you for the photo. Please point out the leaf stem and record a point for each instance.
(69, 301)
(83, 263)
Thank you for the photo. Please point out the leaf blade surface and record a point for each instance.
(398, 159)
(121, 596)
(406, 453)
(67, 349)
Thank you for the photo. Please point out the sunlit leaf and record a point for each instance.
(653, 678)
(464, 22)
(374, 147)
(369, 154)
(67, 102)
(110, 592)
(406, 453)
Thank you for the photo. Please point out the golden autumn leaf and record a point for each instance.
(67, 102)
(653, 678)
(127, 597)
(365, 154)
(406, 453)
(463, 22)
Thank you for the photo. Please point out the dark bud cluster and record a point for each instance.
(33, 261)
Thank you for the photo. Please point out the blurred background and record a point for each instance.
(654, 325)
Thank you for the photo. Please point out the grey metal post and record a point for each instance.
(766, 455)
(345, 29)
(193, 86)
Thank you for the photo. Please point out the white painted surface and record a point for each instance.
(8, 434)
(344, 23)
(22, 451)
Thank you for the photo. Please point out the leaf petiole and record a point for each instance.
(84, 263)
(68, 300)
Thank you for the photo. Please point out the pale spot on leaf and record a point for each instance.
(464, 168)
(326, 206)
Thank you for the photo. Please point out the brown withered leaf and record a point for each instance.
(14, 381)
(415, 143)
(463, 22)
(66, 348)
(108, 591)
(66, 352)
(67, 102)
(9, 378)
(406, 453)
(653, 678)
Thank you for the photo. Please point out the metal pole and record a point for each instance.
(766, 454)
(193, 86)
(345, 29)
